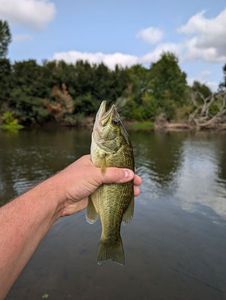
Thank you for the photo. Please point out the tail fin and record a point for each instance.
(111, 251)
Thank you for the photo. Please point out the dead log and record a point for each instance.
(202, 117)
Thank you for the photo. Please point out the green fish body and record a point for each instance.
(113, 203)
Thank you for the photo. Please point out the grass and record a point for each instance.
(141, 126)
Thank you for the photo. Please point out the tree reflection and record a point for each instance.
(222, 158)
(32, 156)
(160, 153)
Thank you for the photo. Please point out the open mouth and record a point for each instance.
(103, 114)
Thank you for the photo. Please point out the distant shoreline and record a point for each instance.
(143, 126)
(171, 126)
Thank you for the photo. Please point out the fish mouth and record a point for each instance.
(104, 115)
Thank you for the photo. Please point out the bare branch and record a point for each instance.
(201, 116)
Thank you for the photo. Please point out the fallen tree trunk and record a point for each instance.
(203, 117)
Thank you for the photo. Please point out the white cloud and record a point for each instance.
(109, 60)
(212, 85)
(194, 24)
(150, 35)
(33, 13)
(207, 40)
(155, 55)
(113, 59)
(22, 37)
(204, 40)
(204, 77)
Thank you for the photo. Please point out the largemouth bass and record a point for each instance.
(112, 203)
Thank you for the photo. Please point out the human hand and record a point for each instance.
(82, 178)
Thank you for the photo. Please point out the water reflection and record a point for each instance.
(187, 169)
(176, 244)
(222, 159)
(159, 153)
(158, 157)
(198, 185)
(31, 156)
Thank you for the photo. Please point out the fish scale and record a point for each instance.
(112, 203)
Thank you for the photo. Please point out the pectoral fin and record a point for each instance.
(91, 214)
(128, 214)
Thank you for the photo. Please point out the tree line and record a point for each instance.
(67, 93)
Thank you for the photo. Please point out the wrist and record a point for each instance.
(52, 192)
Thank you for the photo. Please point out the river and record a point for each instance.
(175, 245)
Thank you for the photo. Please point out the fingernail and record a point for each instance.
(127, 173)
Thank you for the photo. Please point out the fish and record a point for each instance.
(111, 203)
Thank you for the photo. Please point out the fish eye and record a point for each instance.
(115, 122)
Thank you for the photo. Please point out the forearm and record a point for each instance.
(24, 222)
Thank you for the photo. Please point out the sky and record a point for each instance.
(124, 32)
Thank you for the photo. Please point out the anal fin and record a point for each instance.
(128, 214)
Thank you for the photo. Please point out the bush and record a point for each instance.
(9, 123)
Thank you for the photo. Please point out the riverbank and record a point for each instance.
(145, 126)
(177, 126)
(172, 126)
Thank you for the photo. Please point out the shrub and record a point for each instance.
(9, 123)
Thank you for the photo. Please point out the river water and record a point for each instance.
(175, 245)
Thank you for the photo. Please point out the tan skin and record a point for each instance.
(26, 220)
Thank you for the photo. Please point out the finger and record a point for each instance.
(137, 180)
(116, 175)
(136, 190)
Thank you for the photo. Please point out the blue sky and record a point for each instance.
(124, 32)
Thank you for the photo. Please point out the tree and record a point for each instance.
(209, 111)
(222, 85)
(28, 92)
(5, 67)
(201, 88)
(137, 94)
(5, 38)
(168, 83)
(5, 81)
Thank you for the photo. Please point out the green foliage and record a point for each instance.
(67, 93)
(168, 84)
(145, 110)
(5, 81)
(161, 89)
(214, 109)
(9, 123)
(141, 126)
(5, 38)
(201, 88)
(29, 89)
(182, 113)
(222, 85)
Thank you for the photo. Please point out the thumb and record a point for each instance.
(117, 175)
